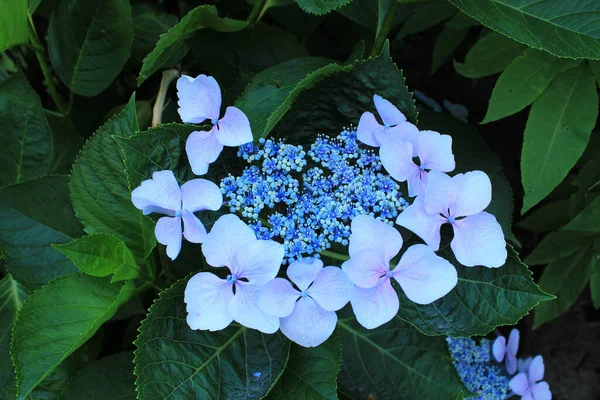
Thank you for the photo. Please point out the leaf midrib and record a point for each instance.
(83, 46)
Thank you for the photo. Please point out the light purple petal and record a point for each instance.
(435, 151)
(376, 306)
(227, 236)
(199, 98)
(527, 395)
(417, 183)
(523, 364)
(200, 194)
(161, 194)
(441, 193)
(278, 298)
(541, 391)
(168, 232)
(536, 369)
(511, 363)
(388, 112)
(365, 268)
(513, 341)
(304, 271)
(397, 159)
(367, 233)
(207, 300)
(202, 148)
(423, 276)
(478, 240)
(234, 128)
(259, 261)
(193, 229)
(403, 131)
(309, 325)
(367, 127)
(424, 225)
(519, 384)
(474, 193)
(499, 348)
(331, 289)
(244, 309)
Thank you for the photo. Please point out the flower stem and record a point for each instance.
(334, 255)
(159, 104)
(382, 34)
(258, 10)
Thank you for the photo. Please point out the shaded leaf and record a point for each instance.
(548, 217)
(13, 23)
(426, 15)
(558, 245)
(455, 31)
(320, 7)
(148, 24)
(588, 220)
(490, 55)
(67, 144)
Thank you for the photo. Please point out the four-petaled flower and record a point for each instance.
(459, 201)
(307, 313)
(162, 195)
(423, 276)
(200, 100)
(528, 385)
(213, 303)
(505, 353)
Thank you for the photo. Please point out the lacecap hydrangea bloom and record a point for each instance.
(529, 384)
(507, 353)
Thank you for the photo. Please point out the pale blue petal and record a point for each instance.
(244, 309)
(435, 151)
(441, 194)
(168, 232)
(513, 341)
(259, 261)
(365, 268)
(403, 131)
(207, 300)
(426, 226)
(371, 234)
(278, 297)
(478, 240)
(193, 229)
(536, 369)
(541, 391)
(234, 128)
(519, 384)
(331, 289)
(367, 128)
(303, 272)
(376, 306)
(161, 194)
(499, 348)
(201, 194)
(199, 98)
(202, 149)
(474, 193)
(309, 325)
(227, 236)
(388, 112)
(511, 363)
(397, 159)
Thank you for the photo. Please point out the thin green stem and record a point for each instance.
(257, 12)
(382, 35)
(334, 255)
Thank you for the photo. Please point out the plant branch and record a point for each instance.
(258, 10)
(334, 255)
(167, 77)
(382, 35)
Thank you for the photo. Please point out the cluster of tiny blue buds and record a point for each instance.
(476, 368)
(309, 207)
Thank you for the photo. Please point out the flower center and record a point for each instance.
(451, 219)
(178, 213)
(214, 121)
(387, 125)
(422, 167)
(231, 279)
(303, 293)
(389, 273)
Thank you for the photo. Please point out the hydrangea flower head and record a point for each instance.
(395, 126)
(528, 385)
(505, 353)
(162, 195)
(423, 276)
(307, 312)
(200, 100)
(459, 201)
(213, 303)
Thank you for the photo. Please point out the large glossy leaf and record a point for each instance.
(320, 7)
(13, 23)
(67, 144)
(588, 220)
(395, 361)
(173, 361)
(56, 320)
(425, 16)
(565, 28)
(557, 132)
(25, 137)
(490, 55)
(201, 17)
(559, 245)
(33, 216)
(89, 43)
(483, 299)
(148, 24)
(454, 32)
(100, 190)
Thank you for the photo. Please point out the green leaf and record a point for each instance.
(595, 288)
(25, 137)
(101, 255)
(490, 55)
(13, 23)
(33, 216)
(548, 217)
(455, 31)
(483, 299)
(565, 278)
(56, 320)
(395, 361)
(169, 43)
(320, 7)
(67, 144)
(557, 132)
(588, 220)
(172, 360)
(561, 27)
(523, 81)
(426, 15)
(595, 65)
(148, 24)
(558, 245)
(311, 372)
(89, 43)
(109, 378)
(100, 190)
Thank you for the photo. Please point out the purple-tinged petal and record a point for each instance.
(375, 306)
(200, 194)
(397, 159)
(528, 395)
(513, 341)
(227, 236)
(435, 151)
(234, 128)
(523, 364)
(304, 271)
(331, 289)
(541, 391)
(441, 194)
(404, 131)
(519, 384)
(367, 233)
(207, 300)
(367, 128)
(423, 276)
(193, 229)
(199, 98)
(365, 268)
(168, 232)
(474, 193)
(499, 348)
(161, 194)
(278, 298)
(309, 325)
(478, 240)
(259, 261)
(388, 112)
(244, 309)
(536, 369)
(424, 225)
(202, 148)
(511, 363)
(417, 183)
